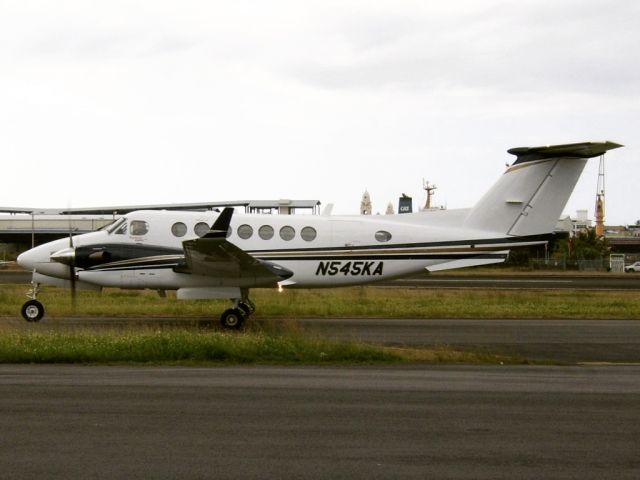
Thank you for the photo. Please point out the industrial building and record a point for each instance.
(22, 228)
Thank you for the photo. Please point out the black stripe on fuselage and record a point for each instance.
(145, 265)
(128, 257)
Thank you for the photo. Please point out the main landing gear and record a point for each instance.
(32, 310)
(233, 318)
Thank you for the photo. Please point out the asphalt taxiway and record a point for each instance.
(269, 422)
(526, 422)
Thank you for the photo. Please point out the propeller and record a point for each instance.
(72, 267)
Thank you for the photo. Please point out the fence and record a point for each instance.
(597, 265)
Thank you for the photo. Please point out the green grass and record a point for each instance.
(268, 342)
(347, 302)
(184, 347)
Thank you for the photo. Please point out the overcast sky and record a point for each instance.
(138, 102)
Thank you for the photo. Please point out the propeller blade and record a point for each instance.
(72, 268)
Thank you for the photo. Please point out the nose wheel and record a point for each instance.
(32, 311)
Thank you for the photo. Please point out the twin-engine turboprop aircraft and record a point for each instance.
(211, 255)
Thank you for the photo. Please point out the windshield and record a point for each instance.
(113, 226)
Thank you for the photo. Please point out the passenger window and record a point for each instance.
(383, 236)
(308, 233)
(245, 231)
(179, 229)
(266, 232)
(138, 228)
(201, 229)
(229, 231)
(287, 233)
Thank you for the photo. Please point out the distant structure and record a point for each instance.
(26, 227)
(430, 189)
(365, 205)
(573, 226)
(389, 209)
(405, 204)
(599, 210)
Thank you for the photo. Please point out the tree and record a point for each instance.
(586, 245)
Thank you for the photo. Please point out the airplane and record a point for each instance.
(203, 255)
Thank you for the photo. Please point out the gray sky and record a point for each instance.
(126, 102)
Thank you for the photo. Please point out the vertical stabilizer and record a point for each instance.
(529, 197)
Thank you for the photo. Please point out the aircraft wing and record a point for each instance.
(212, 255)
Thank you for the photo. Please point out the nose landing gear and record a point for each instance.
(32, 310)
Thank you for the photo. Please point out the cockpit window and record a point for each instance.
(122, 228)
(113, 225)
(138, 227)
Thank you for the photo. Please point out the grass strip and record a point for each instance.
(347, 302)
(183, 347)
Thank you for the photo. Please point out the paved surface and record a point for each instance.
(435, 422)
(524, 281)
(567, 341)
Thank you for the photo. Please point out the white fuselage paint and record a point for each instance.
(521, 207)
(345, 250)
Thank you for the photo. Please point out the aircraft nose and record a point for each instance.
(27, 260)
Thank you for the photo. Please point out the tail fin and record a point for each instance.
(529, 198)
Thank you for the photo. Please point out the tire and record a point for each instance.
(232, 319)
(32, 311)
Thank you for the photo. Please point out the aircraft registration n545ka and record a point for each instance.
(234, 253)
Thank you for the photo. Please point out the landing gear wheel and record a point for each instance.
(32, 311)
(232, 319)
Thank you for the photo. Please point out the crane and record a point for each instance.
(599, 210)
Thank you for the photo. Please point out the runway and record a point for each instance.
(526, 422)
(269, 422)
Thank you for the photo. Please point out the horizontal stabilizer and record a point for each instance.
(570, 150)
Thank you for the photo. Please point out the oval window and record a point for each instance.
(383, 236)
(245, 231)
(287, 233)
(179, 229)
(266, 232)
(201, 229)
(308, 233)
(229, 231)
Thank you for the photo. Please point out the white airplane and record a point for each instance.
(211, 255)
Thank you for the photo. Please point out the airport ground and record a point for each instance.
(475, 422)
(577, 417)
